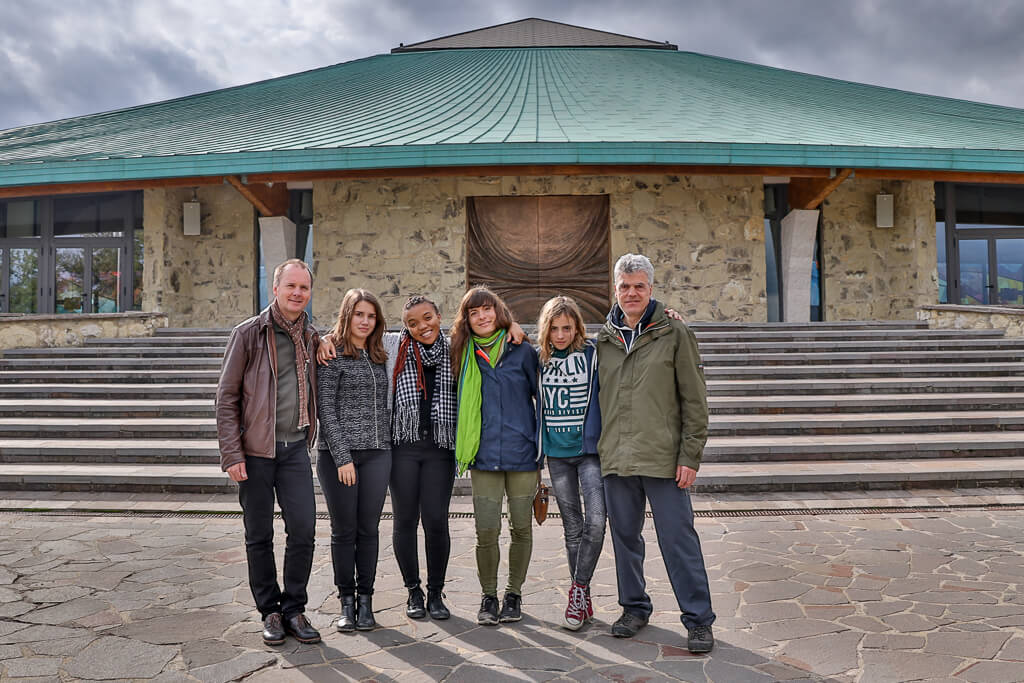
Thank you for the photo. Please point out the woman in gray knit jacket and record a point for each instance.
(354, 463)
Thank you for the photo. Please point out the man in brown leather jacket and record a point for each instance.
(266, 425)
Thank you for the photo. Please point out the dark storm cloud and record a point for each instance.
(73, 57)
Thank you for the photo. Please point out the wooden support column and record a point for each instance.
(809, 193)
(270, 200)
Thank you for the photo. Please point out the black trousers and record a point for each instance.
(422, 476)
(355, 517)
(289, 476)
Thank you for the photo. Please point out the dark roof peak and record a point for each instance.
(533, 32)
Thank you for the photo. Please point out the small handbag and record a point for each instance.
(540, 501)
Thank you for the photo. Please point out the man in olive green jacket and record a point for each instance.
(654, 424)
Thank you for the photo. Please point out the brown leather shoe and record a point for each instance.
(273, 629)
(299, 628)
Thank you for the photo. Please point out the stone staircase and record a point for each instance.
(836, 406)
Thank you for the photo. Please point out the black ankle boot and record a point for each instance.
(347, 622)
(435, 604)
(414, 608)
(364, 613)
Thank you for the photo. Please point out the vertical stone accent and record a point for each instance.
(874, 273)
(199, 281)
(403, 236)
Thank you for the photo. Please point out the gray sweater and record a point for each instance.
(355, 406)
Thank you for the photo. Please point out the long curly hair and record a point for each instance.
(342, 328)
(559, 305)
(461, 331)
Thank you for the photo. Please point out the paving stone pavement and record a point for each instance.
(871, 598)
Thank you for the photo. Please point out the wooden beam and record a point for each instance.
(269, 201)
(942, 176)
(112, 186)
(809, 193)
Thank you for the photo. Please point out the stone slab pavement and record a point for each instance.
(901, 596)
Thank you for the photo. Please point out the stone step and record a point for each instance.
(978, 370)
(124, 376)
(150, 391)
(830, 325)
(868, 423)
(192, 451)
(953, 346)
(863, 446)
(104, 352)
(119, 363)
(159, 342)
(861, 403)
(92, 428)
(192, 331)
(864, 357)
(742, 478)
(88, 409)
(843, 335)
(864, 385)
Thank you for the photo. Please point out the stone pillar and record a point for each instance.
(798, 231)
(278, 234)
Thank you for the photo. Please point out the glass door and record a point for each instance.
(975, 281)
(1009, 290)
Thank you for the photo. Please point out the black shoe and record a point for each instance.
(435, 604)
(511, 608)
(347, 622)
(628, 625)
(699, 639)
(364, 613)
(488, 614)
(273, 629)
(414, 608)
(299, 628)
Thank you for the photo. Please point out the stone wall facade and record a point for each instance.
(953, 316)
(402, 236)
(206, 280)
(872, 273)
(37, 331)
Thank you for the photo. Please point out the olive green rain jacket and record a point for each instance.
(654, 410)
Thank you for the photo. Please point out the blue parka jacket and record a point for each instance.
(508, 429)
(592, 416)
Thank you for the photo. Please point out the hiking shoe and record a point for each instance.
(576, 612)
(510, 608)
(699, 639)
(273, 629)
(628, 625)
(488, 614)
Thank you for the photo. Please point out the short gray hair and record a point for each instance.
(634, 263)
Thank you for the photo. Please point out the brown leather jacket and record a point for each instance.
(247, 391)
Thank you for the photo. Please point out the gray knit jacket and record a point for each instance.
(355, 405)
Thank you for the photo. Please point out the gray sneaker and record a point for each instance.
(488, 614)
(699, 639)
(628, 625)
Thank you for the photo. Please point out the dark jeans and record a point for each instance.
(584, 535)
(677, 539)
(422, 477)
(355, 517)
(289, 475)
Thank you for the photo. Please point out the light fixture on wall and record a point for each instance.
(883, 210)
(190, 215)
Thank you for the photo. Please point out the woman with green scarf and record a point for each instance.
(496, 439)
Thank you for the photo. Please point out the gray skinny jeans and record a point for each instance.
(584, 532)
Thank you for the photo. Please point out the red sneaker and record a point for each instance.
(576, 613)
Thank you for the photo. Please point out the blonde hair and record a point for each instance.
(560, 305)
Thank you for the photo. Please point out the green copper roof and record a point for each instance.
(521, 106)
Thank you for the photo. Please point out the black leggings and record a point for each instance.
(355, 517)
(422, 477)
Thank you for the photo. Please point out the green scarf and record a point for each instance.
(467, 434)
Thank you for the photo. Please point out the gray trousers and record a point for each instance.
(680, 547)
(583, 525)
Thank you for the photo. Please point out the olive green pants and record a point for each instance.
(489, 488)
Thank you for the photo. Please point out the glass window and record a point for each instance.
(103, 216)
(1010, 272)
(987, 206)
(941, 261)
(974, 276)
(69, 284)
(106, 280)
(19, 219)
(24, 283)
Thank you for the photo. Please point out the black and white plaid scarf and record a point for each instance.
(409, 390)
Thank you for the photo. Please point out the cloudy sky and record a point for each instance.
(61, 58)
